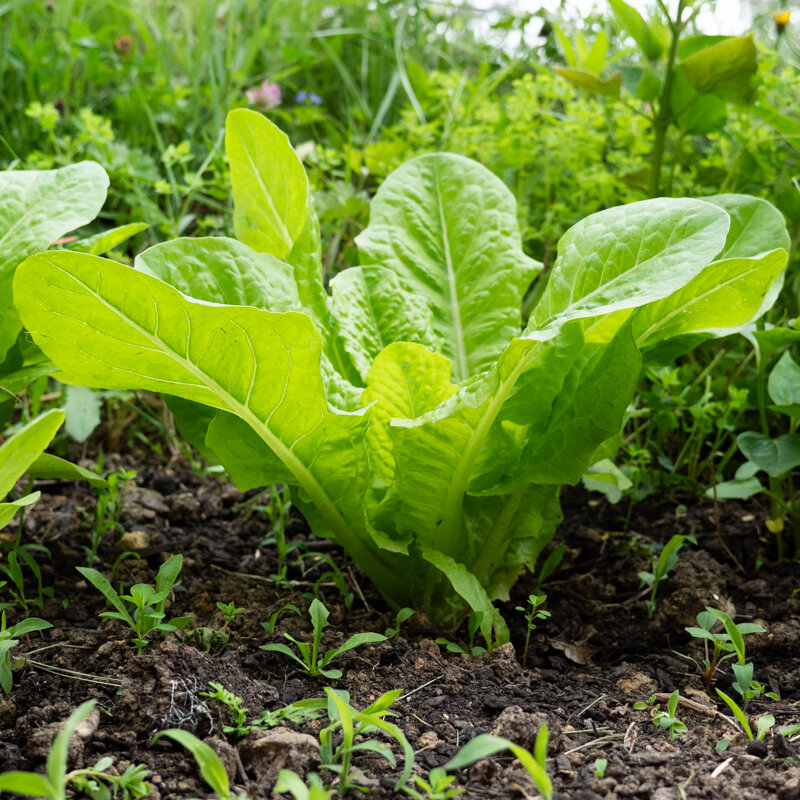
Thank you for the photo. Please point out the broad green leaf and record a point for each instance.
(775, 456)
(633, 23)
(784, 382)
(21, 450)
(222, 271)
(370, 310)
(107, 240)
(724, 69)
(694, 111)
(692, 44)
(405, 381)
(725, 295)
(30, 625)
(9, 510)
(626, 256)
(447, 227)
(270, 188)
(110, 326)
(584, 79)
(54, 468)
(38, 207)
(756, 226)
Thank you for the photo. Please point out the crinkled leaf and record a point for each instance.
(448, 229)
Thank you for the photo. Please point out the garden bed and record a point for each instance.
(587, 665)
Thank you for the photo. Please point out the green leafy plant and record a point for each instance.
(349, 724)
(147, 602)
(9, 640)
(667, 559)
(438, 786)
(681, 83)
(470, 648)
(269, 626)
(289, 781)
(600, 765)
(402, 615)
(665, 719)
(486, 745)
(731, 643)
(418, 424)
(765, 722)
(109, 507)
(211, 768)
(310, 660)
(94, 782)
(309, 708)
(533, 612)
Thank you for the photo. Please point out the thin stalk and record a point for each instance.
(663, 118)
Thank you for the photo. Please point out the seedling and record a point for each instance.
(439, 786)
(470, 649)
(532, 613)
(310, 708)
(94, 781)
(666, 561)
(229, 611)
(269, 627)
(8, 642)
(731, 642)
(291, 782)
(109, 507)
(600, 765)
(665, 720)
(147, 602)
(352, 724)
(486, 745)
(211, 768)
(310, 661)
(402, 615)
(765, 722)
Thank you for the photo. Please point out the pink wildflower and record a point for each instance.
(264, 97)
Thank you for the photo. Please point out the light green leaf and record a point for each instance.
(723, 297)
(38, 207)
(584, 79)
(107, 240)
(21, 450)
(27, 783)
(270, 188)
(54, 468)
(82, 408)
(724, 69)
(370, 310)
(110, 326)
(633, 23)
(756, 226)
(9, 510)
(57, 757)
(448, 229)
(695, 112)
(627, 256)
(222, 271)
(735, 490)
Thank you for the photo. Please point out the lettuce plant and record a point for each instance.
(419, 423)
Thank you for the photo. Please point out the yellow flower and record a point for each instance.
(782, 19)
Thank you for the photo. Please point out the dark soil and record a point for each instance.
(587, 665)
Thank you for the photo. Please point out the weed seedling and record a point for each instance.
(211, 768)
(229, 611)
(109, 508)
(95, 782)
(291, 782)
(600, 765)
(269, 627)
(486, 745)
(402, 615)
(8, 642)
(439, 786)
(310, 661)
(666, 561)
(470, 649)
(352, 724)
(532, 613)
(665, 720)
(764, 723)
(148, 602)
